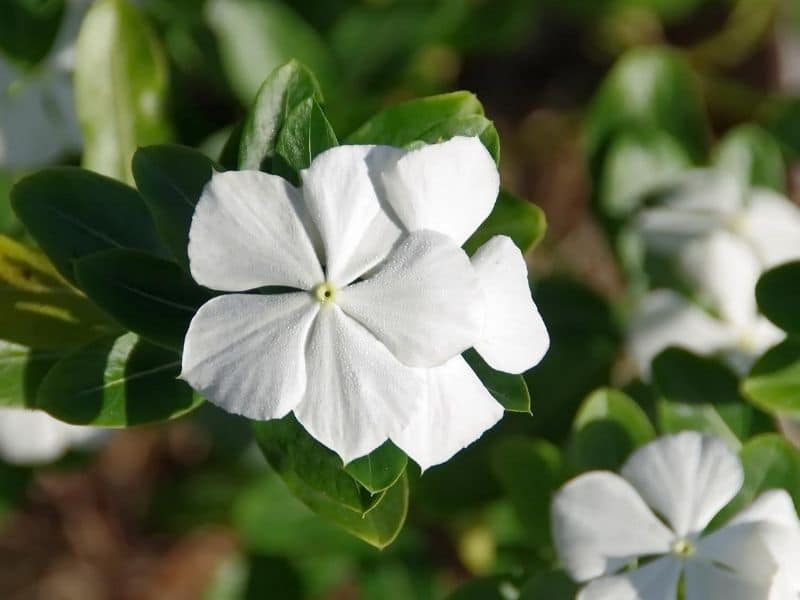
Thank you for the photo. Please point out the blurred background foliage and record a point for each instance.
(596, 102)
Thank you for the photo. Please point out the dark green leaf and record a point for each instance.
(509, 390)
(171, 179)
(549, 585)
(608, 427)
(254, 577)
(305, 133)
(21, 371)
(754, 156)
(379, 469)
(494, 587)
(116, 383)
(773, 383)
(120, 87)
(28, 29)
(777, 292)
(687, 378)
(522, 221)
(150, 296)
(285, 88)
(73, 213)
(733, 422)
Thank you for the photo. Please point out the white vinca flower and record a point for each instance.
(38, 122)
(656, 514)
(32, 437)
(722, 237)
(367, 344)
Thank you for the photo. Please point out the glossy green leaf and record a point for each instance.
(150, 296)
(777, 292)
(549, 585)
(753, 156)
(305, 133)
(285, 88)
(522, 221)
(28, 29)
(171, 179)
(379, 469)
(21, 371)
(733, 422)
(120, 87)
(514, 460)
(38, 308)
(316, 476)
(608, 427)
(116, 383)
(509, 390)
(73, 213)
(773, 383)
(257, 37)
(684, 377)
(651, 88)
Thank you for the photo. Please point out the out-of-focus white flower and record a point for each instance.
(367, 346)
(38, 123)
(31, 437)
(603, 524)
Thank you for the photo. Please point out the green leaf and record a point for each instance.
(285, 88)
(652, 88)
(379, 469)
(608, 427)
(21, 371)
(116, 383)
(777, 292)
(254, 576)
(120, 87)
(38, 308)
(316, 476)
(171, 179)
(150, 296)
(549, 585)
(257, 37)
(687, 378)
(509, 390)
(28, 29)
(73, 213)
(522, 221)
(753, 156)
(773, 383)
(490, 587)
(513, 461)
(734, 422)
(430, 120)
(305, 133)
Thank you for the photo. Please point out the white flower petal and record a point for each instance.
(341, 192)
(600, 523)
(665, 318)
(245, 352)
(31, 437)
(702, 202)
(514, 336)
(246, 234)
(687, 478)
(358, 395)
(724, 269)
(657, 580)
(771, 223)
(705, 581)
(739, 547)
(423, 302)
(449, 187)
(457, 410)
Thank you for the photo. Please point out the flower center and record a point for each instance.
(325, 292)
(738, 224)
(683, 548)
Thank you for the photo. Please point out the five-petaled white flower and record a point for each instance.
(32, 437)
(722, 237)
(602, 523)
(38, 122)
(367, 346)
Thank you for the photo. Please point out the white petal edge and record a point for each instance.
(657, 580)
(514, 337)
(665, 318)
(358, 394)
(341, 194)
(424, 302)
(771, 223)
(245, 352)
(246, 234)
(600, 523)
(458, 409)
(449, 187)
(687, 477)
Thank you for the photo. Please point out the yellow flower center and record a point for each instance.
(325, 292)
(682, 548)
